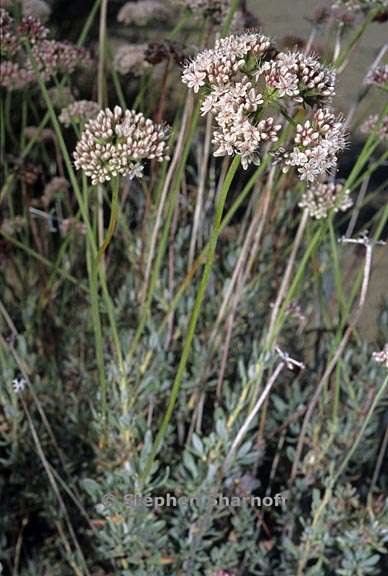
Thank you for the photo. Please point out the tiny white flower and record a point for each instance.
(194, 80)
(18, 385)
(135, 171)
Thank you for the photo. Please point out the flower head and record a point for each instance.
(117, 142)
(244, 78)
(49, 56)
(322, 197)
(32, 29)
(237, 135)
(299, 76)
(233, 96)
(372, 122)
(142, 12)
(131, 58)
(157, 52)
(79, 111)
(315, 146)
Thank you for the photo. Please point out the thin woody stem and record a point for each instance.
(339, 350)
(244, 429)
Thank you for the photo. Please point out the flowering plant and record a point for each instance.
(193, 320)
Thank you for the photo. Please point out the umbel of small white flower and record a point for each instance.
(79, 111)
(247, 85)
(372, 123)
(314, 148)
(142, 12)
(321, 198)
(116, 143)
(131, 58)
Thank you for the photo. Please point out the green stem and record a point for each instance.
(88, 24)
(194, 316)
(113, 218)
(93, 267)
(184, 18)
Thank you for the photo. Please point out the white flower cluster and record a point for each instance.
(315, 146)
(371, 123)
(235, 133)
(244, 78)
(144, 11)
(79, 111)
(382, 356)
(131, 58)
(117, 142)
(321, 198)
(233, 97)
(298, 76)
